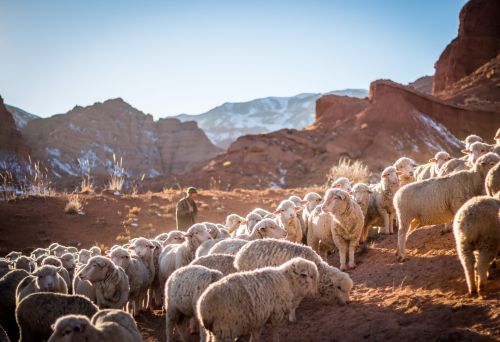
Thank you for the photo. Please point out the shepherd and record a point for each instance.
(186, 210)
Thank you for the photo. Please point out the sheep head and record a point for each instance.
(197, 234)
(120, 257)
(268, 228)
(70, 328)
(336, 201)
(46, 277)
(97, 269)
(287, 211)
(303, 273)
(486, 162)
(143, 247)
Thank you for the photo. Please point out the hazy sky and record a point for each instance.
(171, 57)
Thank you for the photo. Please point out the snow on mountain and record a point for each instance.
(21, 117)
(225, 123)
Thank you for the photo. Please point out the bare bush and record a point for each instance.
(356, 171)
(74, 205)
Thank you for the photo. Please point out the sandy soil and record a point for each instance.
(420, 300)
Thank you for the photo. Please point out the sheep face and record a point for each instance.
(12, 256)
(212, 229)
(472, 139)
(361, 193)
(297, 201)
(304, 273)
(233, 222)
(174, 237)
(390, 175)
(335, 285)
(439, 159)
(336, 201)
(70, 328)
(46, 277)
(38, 253)
(268, 228)
(143, 247)
(120, 257)
(312, 199)
(95, 251)
(84, 256)
(406, 167)
(476, 150)
(251, 220)
(59, 251)
(287, 211)
(52, 260)
(96, 269)
(485, 163)
(68, 261)
(341, 183)
(197, 232)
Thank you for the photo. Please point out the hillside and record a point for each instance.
(225, 123)
(21, 117)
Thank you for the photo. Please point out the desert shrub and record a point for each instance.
(117, 175)
(74, 205)
(356, 171)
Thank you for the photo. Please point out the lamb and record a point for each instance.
(380, 206)
(341, 183)
(347, 223)
(319, 232)
(406, 168)
(361, 193)
(106, 325)
(44, 279)
(492, 181)
(311, 200)
(110, 282)
(233, 222)
(182, 254)
(477, 230)
(4, 267)
(138, 277)
(228, 246)
(25, 263)
(8, 286)
(287, 217)
(37, 312)
(39, 252)
(250, 221)
(266, 228)
(220, 262)
(476, 150)
(182, 291)
(436, 200)
(254, 298)
(54, 261)
(431, 169)
(334, 285)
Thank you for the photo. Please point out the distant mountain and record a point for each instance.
(225, 123)
(21, 117)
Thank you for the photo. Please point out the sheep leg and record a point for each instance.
(255, 337)
(291, 316)
(352, 249)
(364, 234)
(391, 223)
(182, 327)
(342, 255)
(484, 260)
(468, 260)
(385, 216)
(312, 241)
(404, 227)
(172, 316)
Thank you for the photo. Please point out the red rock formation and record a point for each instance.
(11, 141)
(422, 84)
(478, 42)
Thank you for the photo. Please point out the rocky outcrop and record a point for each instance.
(96, 133)
(11, 141)
(422, 84)
(478, 42)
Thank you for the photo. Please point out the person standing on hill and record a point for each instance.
(185, 213)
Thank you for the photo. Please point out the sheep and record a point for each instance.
(155, 295)
(216, 232)
(341, 183)
(347, 223)
(228, 246)
(59, 250)
(299, 203)
(406, 168)
(472, 139)
(287, 217)
(475, 150)
(8, 286)
(54, 261)
(262, 212)
(206, 246)
(68, 262)
(220, 262)
(311, 200)
(182, 291)
(334, 285)
(250, 221)
(380, 206)
(83, 287)
(39, 252)
(24, 263)
(110, 282)
(95, 251)
(161, 237)
(119, 317)
(44, 279)
(40, 259)
(361, 193)
(174, 237)
(436, 200)
(431, 169)
(477, 230)
(492, 181)
(233, 222)
(144, 249)
(5, 266)
(83, 256)
(72, 250)
(319, 232)
(12, 256)
(254, 298)
(36, 313)
(267, 228)
(182, 254)
(137, 275)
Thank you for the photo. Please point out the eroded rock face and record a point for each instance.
(422, 84)
(478, 42)
(96, 132)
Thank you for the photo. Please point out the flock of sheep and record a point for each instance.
(229, 281)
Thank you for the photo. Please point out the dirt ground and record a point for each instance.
(423, 299)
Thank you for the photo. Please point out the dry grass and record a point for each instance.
(8, 186)
(74, 205)
(117, 175)
(38, 182)
(356, 171)
(134, 211)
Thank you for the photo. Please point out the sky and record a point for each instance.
(172, 57)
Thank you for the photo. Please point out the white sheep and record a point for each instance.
(55, 261)
(262, 212)
(252, 299)
(319, 232)
(8, 286)
(36, 313)
(431, 169)
(155, 294)
(247, 225)
(436, 200)
(287, 217)
(106, 325)
(361, 193)
(380, 206)
(110, 282)
(475, 150)
(492, 181)
(173, 238)
(267, 228)
(311, 200)
(342, 183)
(206, 246)
(299, 203)
(216, 232)
(233, 222)
(44, 279)
(406, 168)
(334, 285)
(228, 246)
(182, 291)
(220, 262)
(472, 139)
(347, 223)
(477, 231)
(144, 249)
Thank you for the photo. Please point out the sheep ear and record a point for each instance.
(399, 173)
(432, 160)
(349, 192)
(298, 209)
(303, 202)
(187, 235)
(466, 151)
(244, 222)
(107, 252)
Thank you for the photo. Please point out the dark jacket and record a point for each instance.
(184, 218)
